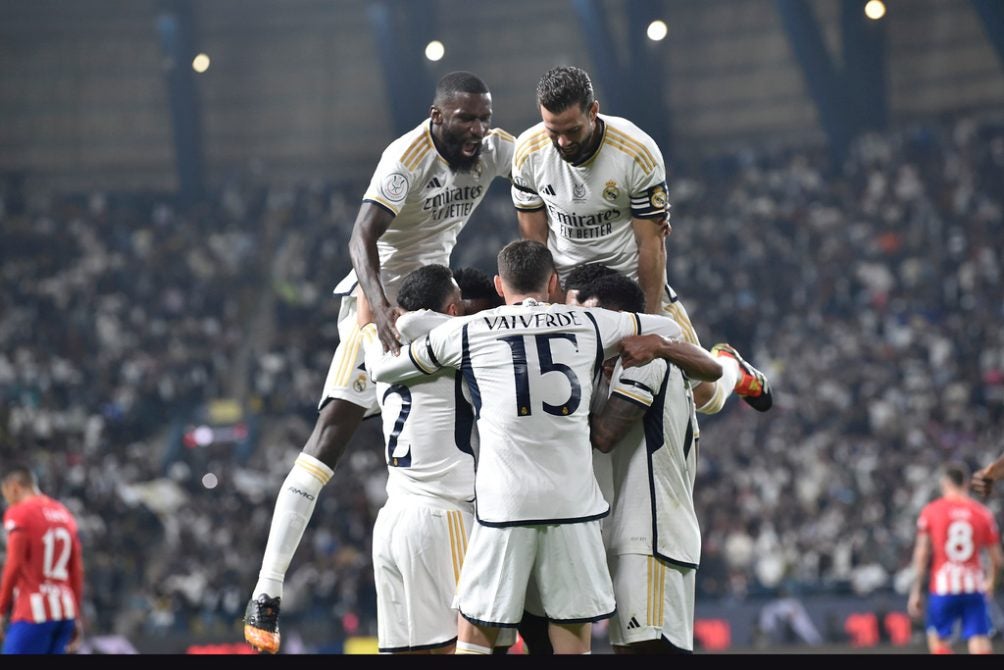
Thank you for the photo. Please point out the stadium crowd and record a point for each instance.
(871, 295)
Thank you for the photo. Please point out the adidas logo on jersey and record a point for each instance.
(435, 183)
(633, 623)
(548, 190)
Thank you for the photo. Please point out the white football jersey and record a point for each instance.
(427, 427)
(590, 205)
(654, 467)
(530, 369)
(430, 201)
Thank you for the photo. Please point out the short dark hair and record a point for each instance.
(585, 274)
(453, 83)
(526, 266)
(476, 284)
(562, 87)
(957, 473)
(21, 473)
(616, 292)
(428, 287)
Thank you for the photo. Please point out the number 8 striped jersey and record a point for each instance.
(960, 529)
(43, 573)
(530, 369)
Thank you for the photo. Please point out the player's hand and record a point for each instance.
(640, 349)
(3, 627)
(981, 483)
(385, 318)
(915, 605)
(78, 635)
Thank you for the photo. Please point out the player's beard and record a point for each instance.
(582, 150)
(453, 151)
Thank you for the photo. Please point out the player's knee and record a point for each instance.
(337, 422)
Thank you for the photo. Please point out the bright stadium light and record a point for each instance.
(200, 63)
(657, 30)
(875, 9)
(435, 50)
(209, 480)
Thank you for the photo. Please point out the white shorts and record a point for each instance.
(565, 561)
(655, 599)
(417, 555)
(347, 378)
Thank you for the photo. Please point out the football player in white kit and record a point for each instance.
(652, 536)
(593, 188)
(425, 188)
(530, 368)
(420, 534)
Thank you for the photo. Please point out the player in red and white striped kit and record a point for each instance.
(43, 576)
(952, 533)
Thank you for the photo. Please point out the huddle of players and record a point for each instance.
(590, 192)
(533, 370)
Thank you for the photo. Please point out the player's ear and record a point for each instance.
(594, 109)
(436, 115)
(554, 287)
(498, 286)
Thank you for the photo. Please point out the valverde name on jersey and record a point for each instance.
(548, 320)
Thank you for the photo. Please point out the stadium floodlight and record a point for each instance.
(657, 30)
(875, 9)
(200, 63)
(435, 50)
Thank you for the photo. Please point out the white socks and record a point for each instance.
(724, 385)
(471, 648)
(293, 508)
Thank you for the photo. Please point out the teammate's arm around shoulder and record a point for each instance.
(441, 347)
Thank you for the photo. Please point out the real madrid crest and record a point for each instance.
(658, 197)
(359, 384)
(611, 192)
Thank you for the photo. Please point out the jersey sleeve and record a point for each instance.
(392, 181)
(440, 348)
(924, 521)
(615, 326)
(649, 191)
(505, 148)
(655, 324)
(524, 187)
(638, 385)
(17, 555)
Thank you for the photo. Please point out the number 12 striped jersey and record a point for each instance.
(43, 573)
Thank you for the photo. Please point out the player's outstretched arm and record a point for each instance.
(372, 222)
(695, 362)
(983, 479)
